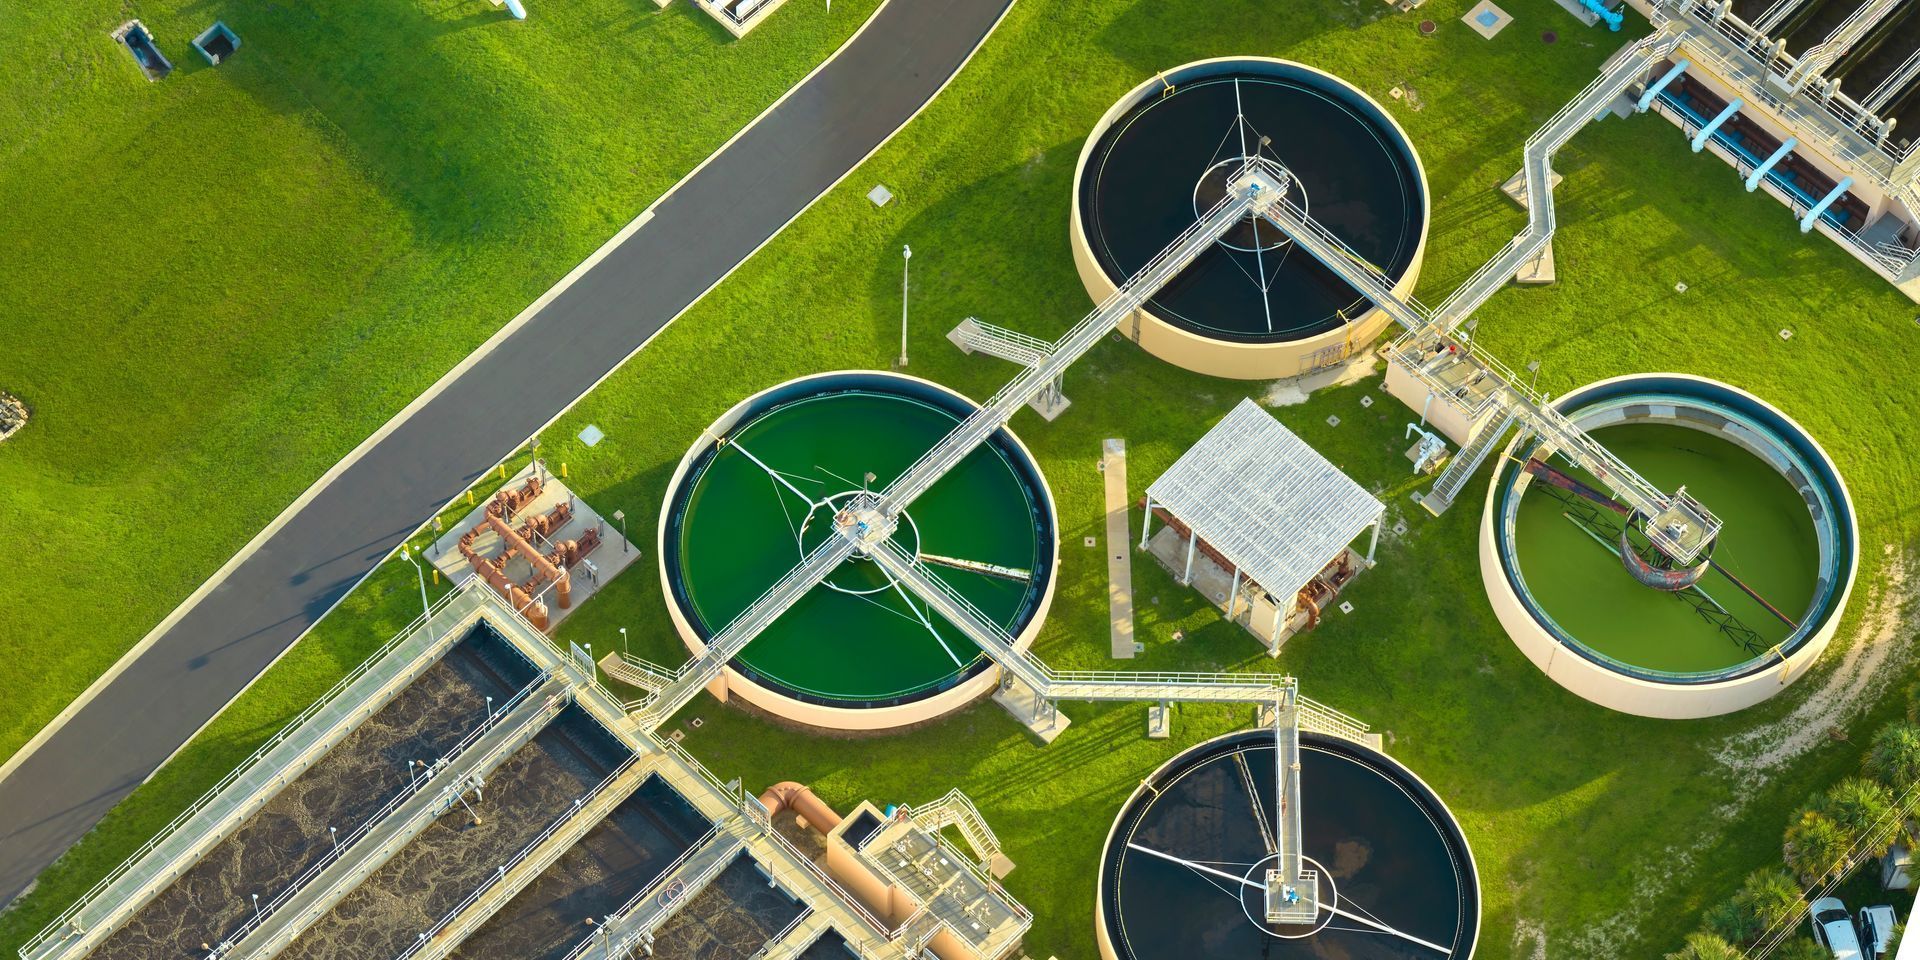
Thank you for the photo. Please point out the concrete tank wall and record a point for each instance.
(732, 683)
(1672, 700)
(1225, 358)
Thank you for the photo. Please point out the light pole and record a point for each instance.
(426, 609)
(1534, 368)
(334, 832)
(623, 642)
(906, 263)
(256, 906)
(621, 517)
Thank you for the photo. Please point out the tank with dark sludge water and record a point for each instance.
(1181, 872)
(1252, 306)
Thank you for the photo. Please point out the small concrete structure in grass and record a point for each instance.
(1261, 524)
(739, 17)
(13, 414)
(1486, 19)
(593, 569)
(139, 43)
(217, 43)
(1113, 469)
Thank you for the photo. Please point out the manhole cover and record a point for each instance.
(1427, 27)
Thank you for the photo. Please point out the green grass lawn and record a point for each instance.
(1597, 835)
(1575, 813)
(218, 284)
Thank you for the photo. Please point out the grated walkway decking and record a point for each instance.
(617, 859)
(735, 916)
(386, 913)
(289, 836)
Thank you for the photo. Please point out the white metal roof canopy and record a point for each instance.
(1265, 500)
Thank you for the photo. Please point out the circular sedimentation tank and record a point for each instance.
(758, 491)
(1388, 853)
(1783, 565)
(1252, 306)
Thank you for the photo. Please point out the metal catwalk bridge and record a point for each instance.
(1248, 193)
(1678, 524)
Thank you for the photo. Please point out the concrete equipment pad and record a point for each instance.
(1113, 463)
(594, 570)
(1487, 19)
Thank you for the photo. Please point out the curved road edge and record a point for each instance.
(178, 678)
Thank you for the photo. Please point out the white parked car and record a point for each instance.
(1833, 929)
(1876, 929)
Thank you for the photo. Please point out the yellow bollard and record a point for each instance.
(503, 472)
(563, 469)
(436, 576)
(469, 498)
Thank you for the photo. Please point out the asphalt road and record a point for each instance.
(709, 224)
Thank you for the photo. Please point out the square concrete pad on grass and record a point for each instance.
(1487, 19)
(609, 559)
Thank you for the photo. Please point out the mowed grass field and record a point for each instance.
(1597, 835)
(218, 284)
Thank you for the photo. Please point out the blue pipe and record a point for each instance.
(1806, 222)
(1700, 139)
(1646, 99)
(1599, 8)
(1760, 172)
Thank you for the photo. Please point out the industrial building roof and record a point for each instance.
(1265, 499)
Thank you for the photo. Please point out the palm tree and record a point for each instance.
(1894, 757)
(1766, 899)
(1800, 948)
(1731, 921)
(1705, 946)
(1770, 897)
(1857, 806)
(1815, 846)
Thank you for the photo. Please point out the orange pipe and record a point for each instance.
(800, 798)
(541, 565)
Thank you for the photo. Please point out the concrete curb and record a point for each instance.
(219, 576)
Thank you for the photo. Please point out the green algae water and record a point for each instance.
(1769, 542)
(857, 639)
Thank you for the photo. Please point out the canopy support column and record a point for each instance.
(1193, 543)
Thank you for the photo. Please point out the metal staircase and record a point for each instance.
(1249, 192)
(977, 336)
(1677, 523)
(956, 810)
(637, 673)
(974, 335)
(1462, 467)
